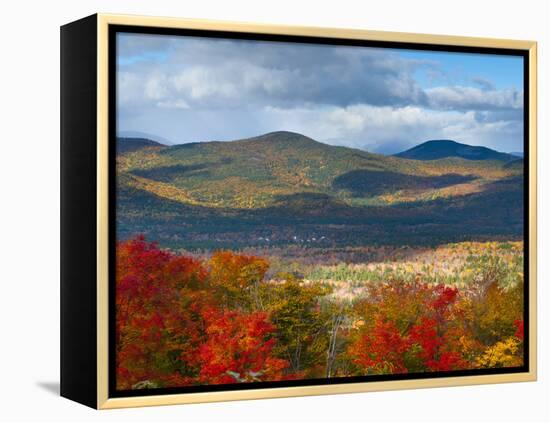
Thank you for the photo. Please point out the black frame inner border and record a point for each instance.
(112, 126)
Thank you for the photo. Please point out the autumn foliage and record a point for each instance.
(413, 328)
(184, 321)
(172, 331)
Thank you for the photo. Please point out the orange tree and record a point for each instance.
(236, 280)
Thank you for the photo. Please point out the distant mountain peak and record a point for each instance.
(441, 149)
(281, 139)
(283, 133)
(144, 135)
(282, 136)
(129, 144)
(442, 142)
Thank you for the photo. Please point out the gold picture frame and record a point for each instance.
(96, 35)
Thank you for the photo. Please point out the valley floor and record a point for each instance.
(350, 270)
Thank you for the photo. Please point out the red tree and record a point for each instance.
(409, 327)
(238, 348)
(170, 329)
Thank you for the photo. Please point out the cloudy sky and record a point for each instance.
(187, 89)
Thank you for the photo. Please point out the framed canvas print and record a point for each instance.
(254, 211)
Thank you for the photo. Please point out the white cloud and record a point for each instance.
(471, 98)
(177, 104)
(203, 73)
(155, 88)
(392, 129)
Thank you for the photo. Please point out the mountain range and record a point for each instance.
(440, 149)
(284, 185)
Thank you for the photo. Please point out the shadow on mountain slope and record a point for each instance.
(494, 213)
(363, 182)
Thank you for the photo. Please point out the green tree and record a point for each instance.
(302, 325)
